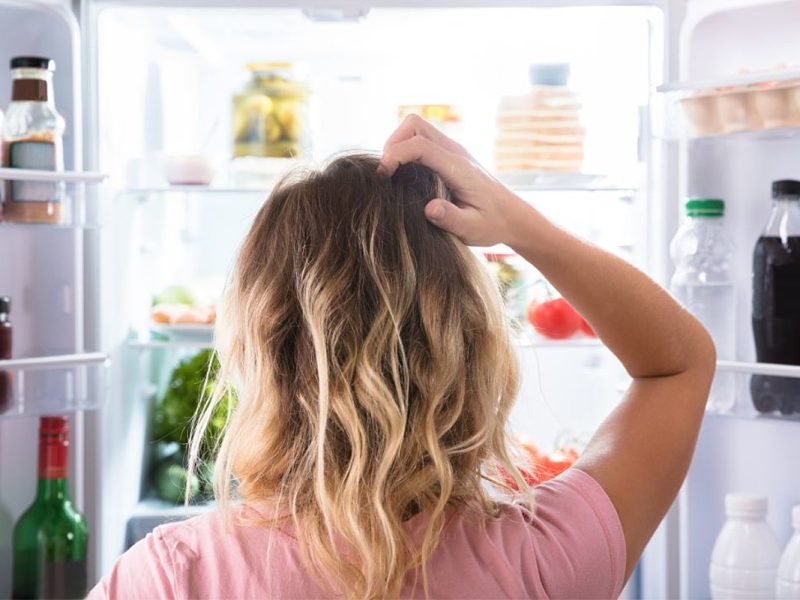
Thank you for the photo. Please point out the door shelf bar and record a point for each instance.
(8, 174)
(45, 385)
(759, 368)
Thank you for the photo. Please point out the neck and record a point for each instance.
(52, 490)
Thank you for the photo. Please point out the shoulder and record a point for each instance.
(569, 544)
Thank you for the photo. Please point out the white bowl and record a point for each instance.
(188, 170)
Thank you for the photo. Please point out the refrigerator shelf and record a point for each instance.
(544, 344)
(51, 384)
(88, 177)
(755, 368)
(151, 344)
(152, 512)
(759, 77)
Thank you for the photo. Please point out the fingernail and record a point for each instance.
(382, 170)
(438, 212)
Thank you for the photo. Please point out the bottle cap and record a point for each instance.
(53, 426)
(705, 207)
(745, 505)
(796, 516)
(549, 74)
(785, 187)
(5, 305)
(33, 62)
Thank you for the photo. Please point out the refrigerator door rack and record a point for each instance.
(785, 409)
(765, 104)
(50, 384)
(64, 191)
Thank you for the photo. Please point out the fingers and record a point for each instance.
(422, 150)
(458, 221)
(414, 125)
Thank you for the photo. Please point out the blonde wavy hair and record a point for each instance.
(372, 370)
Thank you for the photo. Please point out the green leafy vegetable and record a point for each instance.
(190, 382)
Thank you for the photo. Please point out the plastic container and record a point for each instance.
(270, 114)
(744, 561)
(32, 136)
(776, 300)
(787, 586)
(703, 282)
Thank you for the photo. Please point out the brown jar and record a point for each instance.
(32, 139)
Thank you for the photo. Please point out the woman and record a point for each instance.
(374, 377)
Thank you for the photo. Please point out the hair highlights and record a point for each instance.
(373, 373)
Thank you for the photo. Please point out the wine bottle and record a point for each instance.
(51, 537)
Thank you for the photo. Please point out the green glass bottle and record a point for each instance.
(51, 537)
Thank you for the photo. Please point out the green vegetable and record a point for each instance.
(174, 294)
(188, 386)
(170, 480)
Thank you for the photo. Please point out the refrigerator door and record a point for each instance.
(739, 452)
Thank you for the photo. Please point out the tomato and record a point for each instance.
(554, 319)
(556, 463)
(586, 329)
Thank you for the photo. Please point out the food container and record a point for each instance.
(445, 116)
(778, 104)
(737, 111)
(701, 112)
(188, 170)
(270, 113)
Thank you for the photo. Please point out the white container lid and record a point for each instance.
(796, 516)
(746, 505)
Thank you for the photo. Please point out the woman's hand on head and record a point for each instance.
(483, 211)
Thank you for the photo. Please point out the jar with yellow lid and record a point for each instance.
(270, 113)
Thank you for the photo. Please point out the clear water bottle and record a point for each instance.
(744, 561)
(703, 282)
(788, 584)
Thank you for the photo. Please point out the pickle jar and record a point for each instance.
(270, 113)
(32, 139)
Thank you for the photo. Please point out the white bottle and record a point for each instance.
(788, 584)
(744, 562)
(703, 283)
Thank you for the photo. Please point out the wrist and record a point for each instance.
(521, 219)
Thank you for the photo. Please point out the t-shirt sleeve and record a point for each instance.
(145, 571)
(578, 543)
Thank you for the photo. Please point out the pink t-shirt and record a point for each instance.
(572, 548)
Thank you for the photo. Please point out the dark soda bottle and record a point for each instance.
(776, 300)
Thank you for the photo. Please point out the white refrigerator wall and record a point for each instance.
(754, 455)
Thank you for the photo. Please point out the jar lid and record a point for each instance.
(745, 505)
(705, 207)
(785, 187)
(33, 62)
(549, 74)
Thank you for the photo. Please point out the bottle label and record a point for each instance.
(786, 279)
(29, 90)
(64, 579)
(38, 155)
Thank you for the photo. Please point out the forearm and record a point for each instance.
(637, 319)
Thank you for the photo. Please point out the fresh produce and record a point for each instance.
(554, 319)
(189, 383)
(586, 329)
(170, 482)
(540, 467)
(174, 294)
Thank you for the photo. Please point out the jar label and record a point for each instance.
(37, 155)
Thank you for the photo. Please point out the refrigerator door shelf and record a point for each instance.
(777, 389)
(51, 384)
(87, 177)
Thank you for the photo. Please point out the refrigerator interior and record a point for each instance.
(745, 453)
(173, 96)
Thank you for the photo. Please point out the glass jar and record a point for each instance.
(509, 276)
(270, 113)
(32, 139)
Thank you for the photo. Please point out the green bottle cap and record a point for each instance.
(705, 207)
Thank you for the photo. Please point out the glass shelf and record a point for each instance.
(198, 191)
(563, 182)
(541, 343)
(157, 344)
(152, 512)
(51, 384)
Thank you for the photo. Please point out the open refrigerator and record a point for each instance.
(139, 82)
